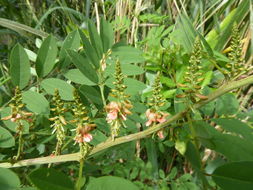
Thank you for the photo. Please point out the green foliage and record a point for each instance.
(110, 183)
(205, 130)
(234, 175)
(6, 139)
(19, 67)
(49, 178)
(64, 88)
(46, 57)
(8, 179)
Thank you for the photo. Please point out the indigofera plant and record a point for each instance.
(90, 107)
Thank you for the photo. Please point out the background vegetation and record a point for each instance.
(188, 60)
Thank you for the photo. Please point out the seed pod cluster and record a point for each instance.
(118, 91)
(193, 76)
(236, 65)
(157, 100)
(17, 116)
(83, 127)
(59, 120)
(118, 110)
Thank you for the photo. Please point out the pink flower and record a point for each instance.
(83, 134)
(113, 106)
(87, 137)
(151, 117)
(161, 120)
(112, 115)
(160, 134)
(116, 110)
(154, 117)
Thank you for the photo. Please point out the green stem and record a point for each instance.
(101, 87)
(80, 175)
(4, 81)
(20, 144)
(104, 145)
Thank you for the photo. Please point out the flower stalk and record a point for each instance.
(59, 121)
(118, 110)
(154, 114)
(18, 116)
(236, 67)
(84, 127)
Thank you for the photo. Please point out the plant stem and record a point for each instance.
(20, 144)
(80, 175)
(101, 87)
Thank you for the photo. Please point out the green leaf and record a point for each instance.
(89, 50)
(234, 176)
(134, 86)
(46, 56)
(19, 67)
(27, 188)
(127, 54)
(208, 76)
(21, 27)
(8, 179)
(151, 149)
(167, 81)
(213, 139)
(180, 146)
(95, 38)
(6, 139)
(83, 64)
(106, 34)
(50, 179)
(35, 102)
(227, 105)
(127, 69)
(185, 33)
(76, 76)
(206, 45)
(179, 103)
(219, 40)
(92, 94)
(111, 183)
(72, 42)
(192, 154)
(65, 89)
(31, 55)
(235, 126)
(207, 109)
(99, 137)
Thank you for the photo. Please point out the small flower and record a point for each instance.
(151, 117)
(160, 134)
(155, 117)
(116, 110)
(87, 137)
(19, 116)
(112, 115)
(82, 133)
